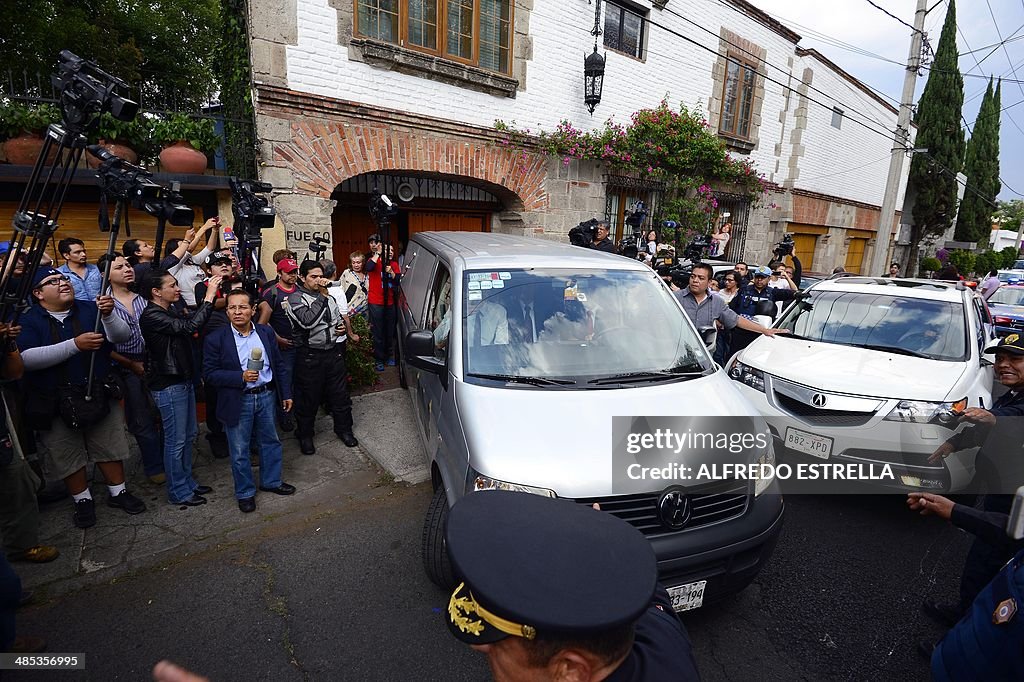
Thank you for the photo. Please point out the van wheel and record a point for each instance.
(435, 550)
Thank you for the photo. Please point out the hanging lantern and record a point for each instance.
(593, 79)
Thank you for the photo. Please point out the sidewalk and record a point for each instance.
(118, 544)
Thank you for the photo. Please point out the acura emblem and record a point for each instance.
(818, 400)
(673, 509)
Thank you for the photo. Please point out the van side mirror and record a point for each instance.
(766, 308)
(419, 350)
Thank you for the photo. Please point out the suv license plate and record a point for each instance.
(808, 443)
(688, 596)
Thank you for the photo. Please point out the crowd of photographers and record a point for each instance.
(83, 365)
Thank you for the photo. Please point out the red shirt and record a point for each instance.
(375, 294)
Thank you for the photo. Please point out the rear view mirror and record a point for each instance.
(419, 351)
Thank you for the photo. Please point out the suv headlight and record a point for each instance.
(767, 462)
(924, 412)
(747, 375)
(481, 482)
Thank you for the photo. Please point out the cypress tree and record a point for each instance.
(974, 221)
(933, 175)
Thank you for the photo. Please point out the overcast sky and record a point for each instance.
(824, 23)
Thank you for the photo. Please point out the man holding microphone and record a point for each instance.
(243, 361)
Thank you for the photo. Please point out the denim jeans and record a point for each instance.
(141, 420)
(255, 424)
(177, 405)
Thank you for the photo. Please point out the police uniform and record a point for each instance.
(542, 568)
(745, 305)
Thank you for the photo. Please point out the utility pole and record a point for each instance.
(900, 146)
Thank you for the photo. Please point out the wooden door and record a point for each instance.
(855, 255)
(350, 227)
(448, 221)
(804, 249)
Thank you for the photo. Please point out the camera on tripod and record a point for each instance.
(251, 210)
(86, 91)
(784, 248)
(634, 245)
(121, 180)
(695, 250)
(317, 246)
(584, 233)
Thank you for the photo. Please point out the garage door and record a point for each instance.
(855, 255)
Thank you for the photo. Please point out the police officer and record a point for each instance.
(745, 304)
(570, 594)
(999, 433)
(601, 240)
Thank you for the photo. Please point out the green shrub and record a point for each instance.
(1009, 255)
(987, 261)
(931, 264)
(963, 260)
(200, 132)
(137, 133)
(359, 356)
(16, 118)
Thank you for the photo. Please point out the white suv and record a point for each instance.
(872, 373)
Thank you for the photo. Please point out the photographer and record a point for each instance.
(601, 240)
(382, 301)
(787, 247)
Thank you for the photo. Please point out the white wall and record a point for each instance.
(851, 162)
(673, 67)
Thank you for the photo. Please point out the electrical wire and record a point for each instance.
(885, 11)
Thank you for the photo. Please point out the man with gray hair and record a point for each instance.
(601, 240)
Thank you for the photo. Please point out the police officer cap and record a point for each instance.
(535, 566)
(763, 271)
(1011, 343)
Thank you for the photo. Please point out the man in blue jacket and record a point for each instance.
(242, 360)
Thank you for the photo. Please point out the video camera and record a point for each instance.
(584, 233)
(695, 250)
(634, 245)
(382, 209)
(784, 248)
(317, 246)
(86, 91)
(123, 181)
(251, 210)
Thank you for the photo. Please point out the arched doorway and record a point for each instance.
(425, 202)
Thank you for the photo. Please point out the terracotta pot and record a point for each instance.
(182, 157)
(119, 150)
(24, 149)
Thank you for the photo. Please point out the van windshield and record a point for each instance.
(576, 326)
(905, 326)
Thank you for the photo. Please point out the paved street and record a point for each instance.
(339, 593)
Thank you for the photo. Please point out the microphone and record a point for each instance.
(255, 363)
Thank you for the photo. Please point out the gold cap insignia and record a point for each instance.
(1011, 339)
(460, 607)
(1005, 611)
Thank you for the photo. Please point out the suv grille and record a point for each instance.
(813, 415)
(718, 501)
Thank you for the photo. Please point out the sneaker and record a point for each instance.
(391, 362)
(40, 554)
(379, 366)
(128, 502)
(85, 513)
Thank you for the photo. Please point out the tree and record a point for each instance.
(1009, 214)
(166, 48)
(933, 174)
(974, 221)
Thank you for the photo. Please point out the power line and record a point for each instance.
(885, 11)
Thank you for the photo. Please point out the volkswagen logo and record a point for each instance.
(818, 400)
(673, 509)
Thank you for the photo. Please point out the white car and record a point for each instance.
(873, 371)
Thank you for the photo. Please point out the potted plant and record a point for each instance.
(22, 127)
(186, 142)
(128, 140)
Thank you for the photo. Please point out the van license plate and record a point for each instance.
(688, 596)
(808, 443)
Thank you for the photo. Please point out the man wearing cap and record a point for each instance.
(270, 311)
(745, 304)
(572, 595)
(999, 431)
(382, 301)
(56, 342)
(705, 310)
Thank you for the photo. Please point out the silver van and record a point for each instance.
(518, 352)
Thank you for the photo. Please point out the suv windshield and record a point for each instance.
(575, 326)
(908, 326)
(1008, 296)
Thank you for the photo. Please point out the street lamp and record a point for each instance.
(593, 79)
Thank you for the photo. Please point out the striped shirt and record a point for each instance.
(134, 347)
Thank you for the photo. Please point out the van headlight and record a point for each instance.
(924, 412)
(766, 472)
(481, 482)
(746, 374)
